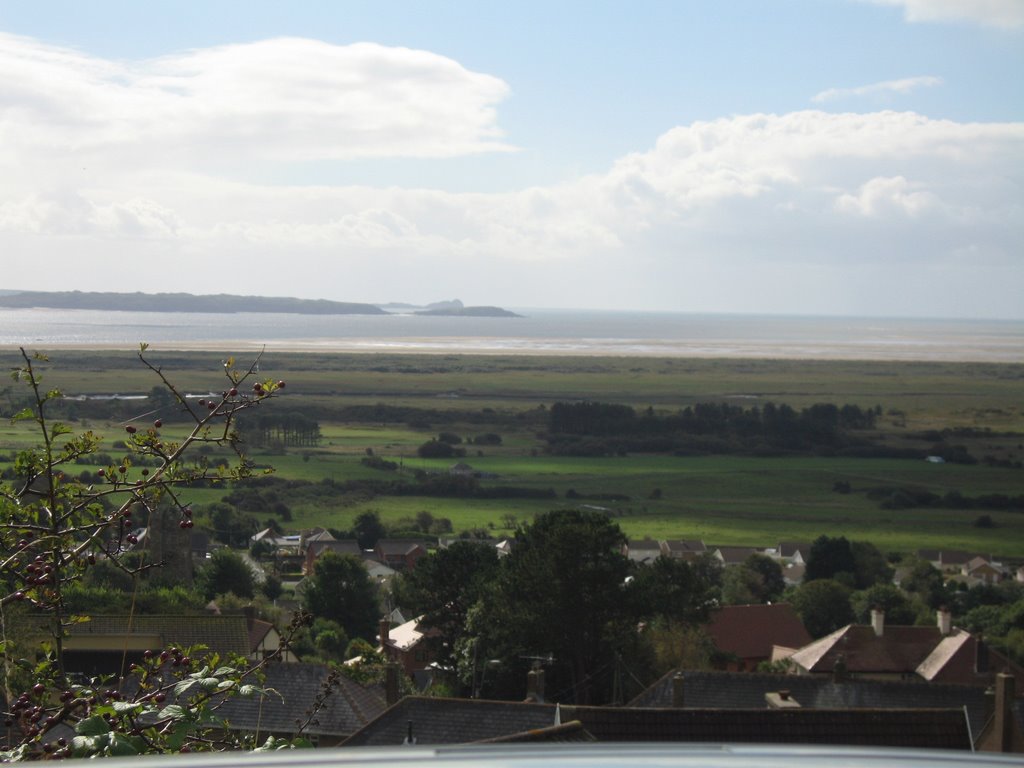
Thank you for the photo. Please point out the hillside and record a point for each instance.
(182, 302)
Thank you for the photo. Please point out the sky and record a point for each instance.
(799, 157)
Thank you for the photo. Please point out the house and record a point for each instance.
(793, 552)
(106, 644)
(946, 560)
(316, 548)
(940, 653)
(683, 549)
(733, 555)
(642, 550)
(978, 570)
(702, 689)
(399, 554)
(409, 645)
(434, 721)
(265, 640)
(745, 635)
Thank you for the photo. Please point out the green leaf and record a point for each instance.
(92, 726)
(127, 707)
(225, 671)
(123, 745)
(172, 712)
(25, 413)
(182, 686)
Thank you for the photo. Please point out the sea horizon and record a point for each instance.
(648, 333)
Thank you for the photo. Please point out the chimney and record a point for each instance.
(944, 620)
(1002, 725)
(390, 684)
(781, 700)
(385, 633)
(678, 690)
(535, 685)
(878, 621)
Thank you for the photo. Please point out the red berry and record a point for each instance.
(158, 423)
(101, 472)
(233, 392)
(280, 385)
(130, 429)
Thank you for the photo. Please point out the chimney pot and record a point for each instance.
(878, 621)
(678, 690)
(944, 620)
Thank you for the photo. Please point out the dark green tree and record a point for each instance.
(671, 589)
(823, 606)
(368, 529)
(226, 571)
(340, 589)
(444, 585)
(831, 558)
(898, 609)
(560, 592)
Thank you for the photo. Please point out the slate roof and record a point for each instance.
(571, 732)
(452, 721)
(461, 721)
(223, 634)
(734, 555)
(746, 690)
(789, 549)
(675, 547)
(343, 547)
(349, 706)
(750, 631)
(399, 546)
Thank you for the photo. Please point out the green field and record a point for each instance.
(722, 499)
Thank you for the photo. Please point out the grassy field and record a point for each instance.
(722, 499)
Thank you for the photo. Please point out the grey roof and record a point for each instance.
(348, 706)
(461, 721)
(746, 690)
(223, 634)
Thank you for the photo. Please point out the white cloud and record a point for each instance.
(899, 87)
(994, 13)
(284, 99)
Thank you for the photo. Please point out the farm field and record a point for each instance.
(724, 499)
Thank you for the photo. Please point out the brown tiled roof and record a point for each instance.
(750, 631)
(746, 690)
(898, 650)
(461, 721)
(223, 634)
(258, 630)
(294, 687)
(956, 660)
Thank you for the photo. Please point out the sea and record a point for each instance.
(536, 332)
